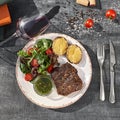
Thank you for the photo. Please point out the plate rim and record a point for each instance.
(42, 105)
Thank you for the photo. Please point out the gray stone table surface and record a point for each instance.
(15, 106)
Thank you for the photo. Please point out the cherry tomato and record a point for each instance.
(89, 23)
(50, 68)
(29, 51)
(111, 14)
(28, 77)
(49, 51)
(34, 63)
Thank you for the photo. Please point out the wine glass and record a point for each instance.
(29, 27)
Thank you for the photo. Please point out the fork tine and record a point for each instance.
(99, 49)
(103, 51)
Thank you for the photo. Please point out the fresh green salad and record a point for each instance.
(36, 61)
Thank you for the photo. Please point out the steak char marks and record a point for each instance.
(66, 79)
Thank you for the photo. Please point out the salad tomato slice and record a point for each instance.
(29, 51)
(50, 68)
(28, 77)
(49, 51)
(34, 63)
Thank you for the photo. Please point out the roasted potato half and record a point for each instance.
(59, 45)
(74, 54)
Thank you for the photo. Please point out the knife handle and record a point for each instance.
(112, 89)
(102, 91)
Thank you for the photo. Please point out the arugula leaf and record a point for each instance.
(46, 64)
(44, 44)
(40, 70)
(43, 67)
(44, 73)
(41, 57)
(34, 52)
(24, 68)
(22, 53)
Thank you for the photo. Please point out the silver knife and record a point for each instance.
(112, 63)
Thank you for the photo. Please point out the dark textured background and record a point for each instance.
(15, 106)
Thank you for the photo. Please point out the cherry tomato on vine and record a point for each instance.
(111, 14)
(89, 23)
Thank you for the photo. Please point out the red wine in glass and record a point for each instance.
(29, 27)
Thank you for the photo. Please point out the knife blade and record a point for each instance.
(112, 63)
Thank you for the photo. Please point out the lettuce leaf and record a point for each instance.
(22, 53)
(44, 44)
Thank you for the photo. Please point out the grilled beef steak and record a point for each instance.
(66, 79)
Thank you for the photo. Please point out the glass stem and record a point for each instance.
(4, 43)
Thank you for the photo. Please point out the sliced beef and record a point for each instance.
(66, 79)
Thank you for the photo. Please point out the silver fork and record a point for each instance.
(101, 57)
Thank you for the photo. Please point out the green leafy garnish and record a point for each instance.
(22, 53)
(37, 52)
(25, 68)
(44, 44)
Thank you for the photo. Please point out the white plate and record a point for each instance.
(54, 100)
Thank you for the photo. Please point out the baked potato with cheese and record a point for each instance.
(74, 54)
(59, 45)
